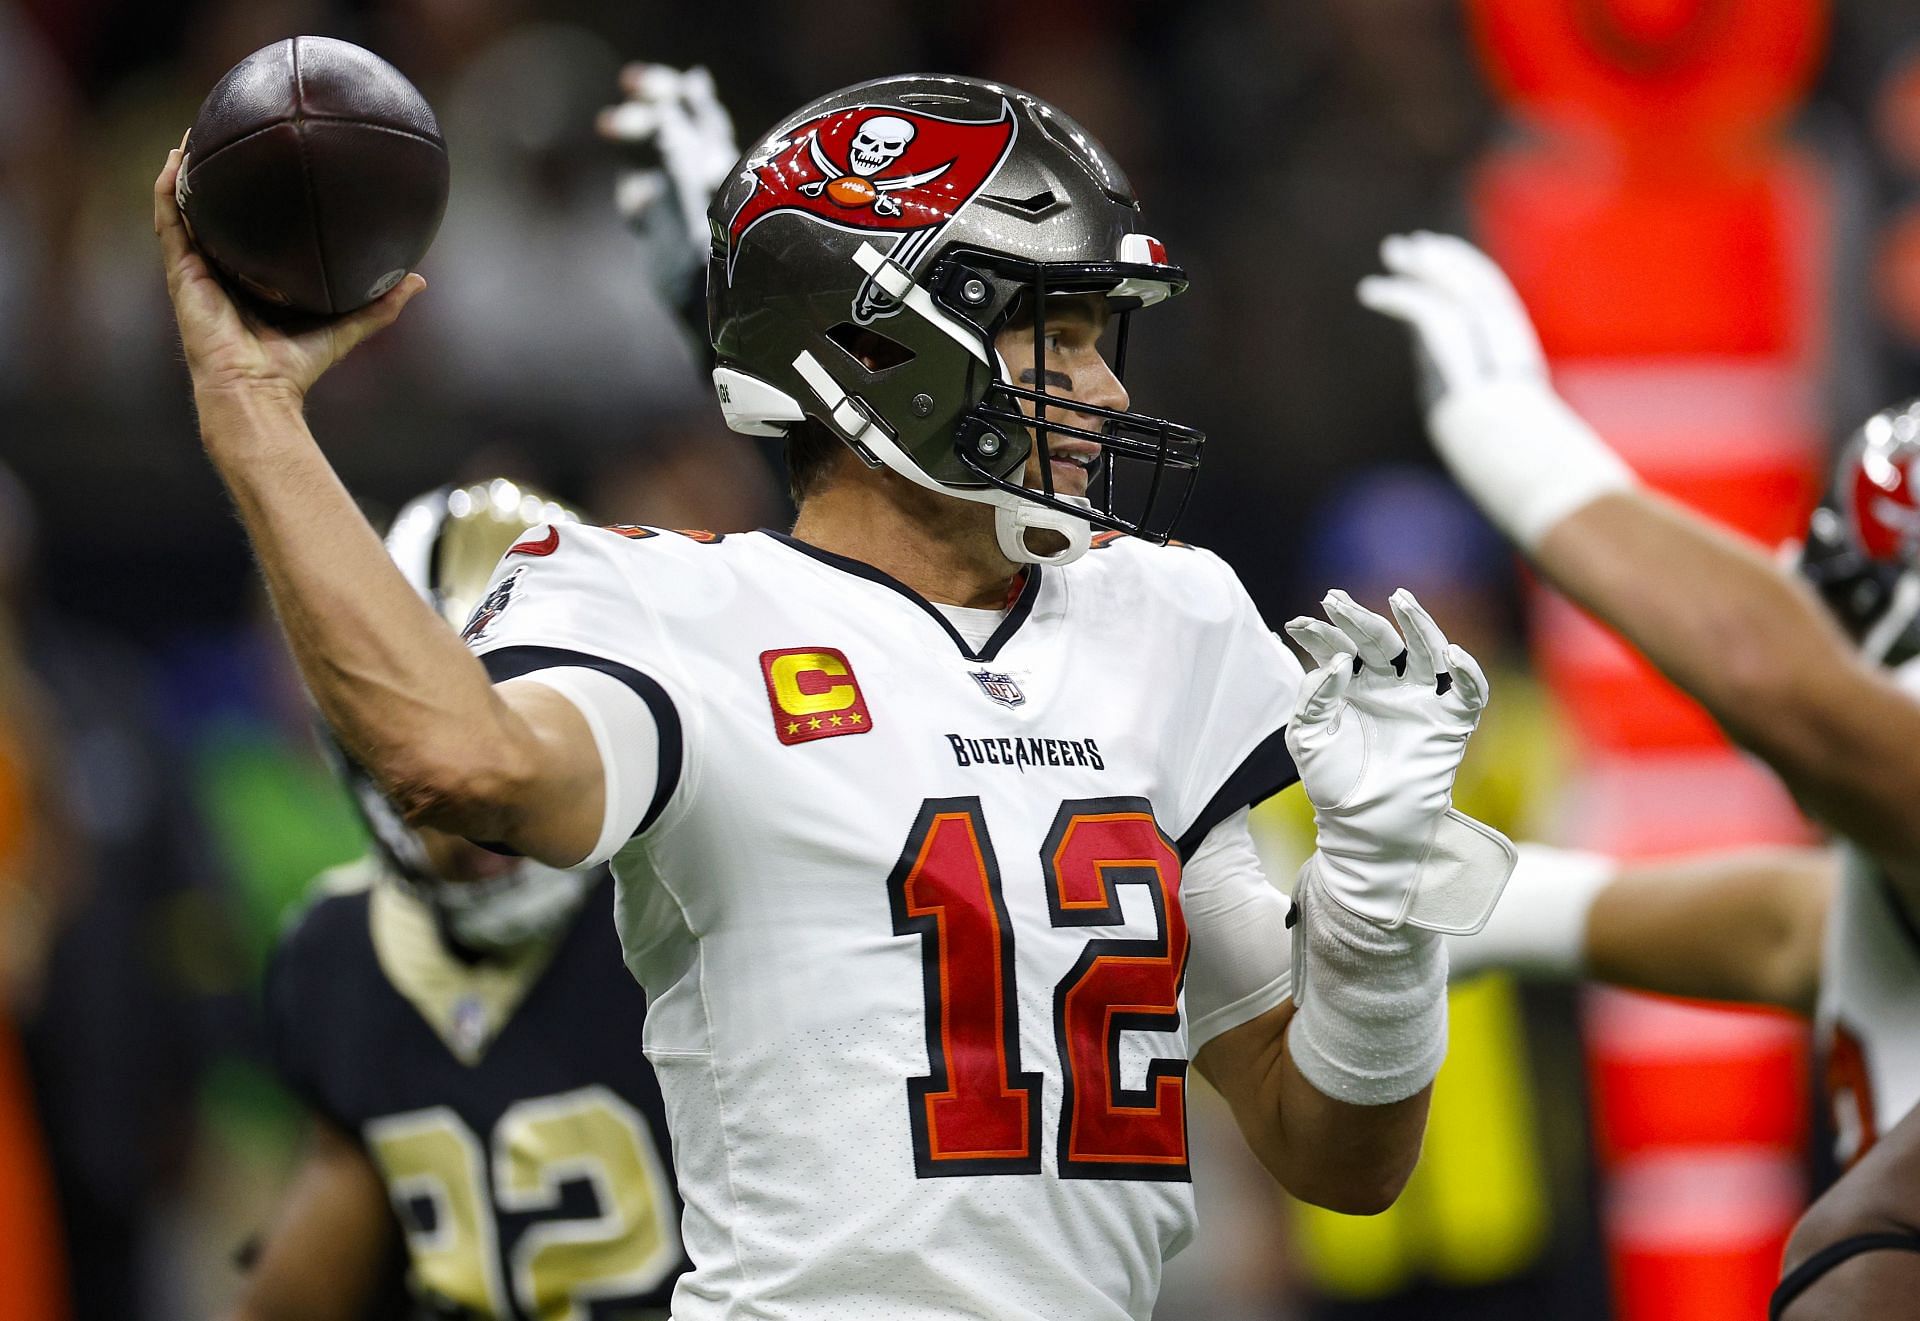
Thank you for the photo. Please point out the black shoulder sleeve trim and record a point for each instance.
(513, 662)
(1266, 771)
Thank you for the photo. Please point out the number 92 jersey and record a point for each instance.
(521, 1140)
(928, 929)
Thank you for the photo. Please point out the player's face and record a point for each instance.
(1073, 368)
(456, 859)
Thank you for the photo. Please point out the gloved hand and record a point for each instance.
(1509, 440)
(677, 146)
(1377, 736)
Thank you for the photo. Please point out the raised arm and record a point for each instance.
(1709, 609)
(517, 764)
(1758, 649)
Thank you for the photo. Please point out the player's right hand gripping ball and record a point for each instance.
(1377, 736)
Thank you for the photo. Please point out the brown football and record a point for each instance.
(315, 176)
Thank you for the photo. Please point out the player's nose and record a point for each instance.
(1100, 387)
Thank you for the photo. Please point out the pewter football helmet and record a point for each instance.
(929, 211)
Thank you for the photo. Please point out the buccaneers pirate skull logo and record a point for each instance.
(881, 169)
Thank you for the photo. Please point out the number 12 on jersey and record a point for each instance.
(977, 1111)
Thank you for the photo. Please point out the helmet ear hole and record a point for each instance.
(873, 351)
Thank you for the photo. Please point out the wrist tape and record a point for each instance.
(1371, 1020)
(1540, 926)
(1526, 458)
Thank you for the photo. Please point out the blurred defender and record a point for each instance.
(461, 1029)
(1763, 653)
(929, 819)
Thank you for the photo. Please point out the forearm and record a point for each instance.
(1743, 927)
(1330, 1089)
(1757, 650)
(402, 693)
(1708, 608)
(1348, 1158)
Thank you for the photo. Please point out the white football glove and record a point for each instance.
(1377, 736)
(677, 144)
(1509, 440)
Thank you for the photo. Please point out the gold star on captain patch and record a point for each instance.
(834, 721)
(793, 727)
(814, 723)
(854, 719)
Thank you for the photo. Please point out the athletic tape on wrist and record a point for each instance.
(1540, 926)
(1526, 458)
(1371, 1001)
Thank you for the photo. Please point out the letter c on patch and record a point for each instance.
(804, 683)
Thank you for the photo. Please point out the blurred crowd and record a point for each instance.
(161, 803)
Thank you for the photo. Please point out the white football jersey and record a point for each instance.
(924, 971)
(1869, 1008)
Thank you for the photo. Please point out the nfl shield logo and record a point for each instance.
(1000, 687)
(470, 1028)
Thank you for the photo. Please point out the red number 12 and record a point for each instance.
(977, 1111)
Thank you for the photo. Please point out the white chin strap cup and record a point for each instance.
(1014, 518)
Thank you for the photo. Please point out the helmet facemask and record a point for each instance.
(1140, 482)
(1144, 475)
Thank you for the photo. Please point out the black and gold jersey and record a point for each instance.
(506, 1101)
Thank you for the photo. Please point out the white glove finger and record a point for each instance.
(650, 82)
(1478, 283)
(1322, 693)
(1426, 644)
(1319, 639)
(1373, 638)
(1442, 339)
(633, 75)
(630, 122)
(1399, 255)
(1470, 688)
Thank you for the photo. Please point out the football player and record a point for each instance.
(929, 820)
(462, 1031)
(1768, 660)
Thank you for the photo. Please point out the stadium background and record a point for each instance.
(1712, 205)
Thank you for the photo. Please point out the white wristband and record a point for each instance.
(1371, 1026)
(1526, 458)
(1540, 926)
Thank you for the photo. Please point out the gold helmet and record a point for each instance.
(448, 542)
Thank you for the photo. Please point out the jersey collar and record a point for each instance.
(1017, 611)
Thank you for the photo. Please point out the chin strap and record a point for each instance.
(1013, 517)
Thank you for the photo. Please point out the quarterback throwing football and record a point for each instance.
(929, 818)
